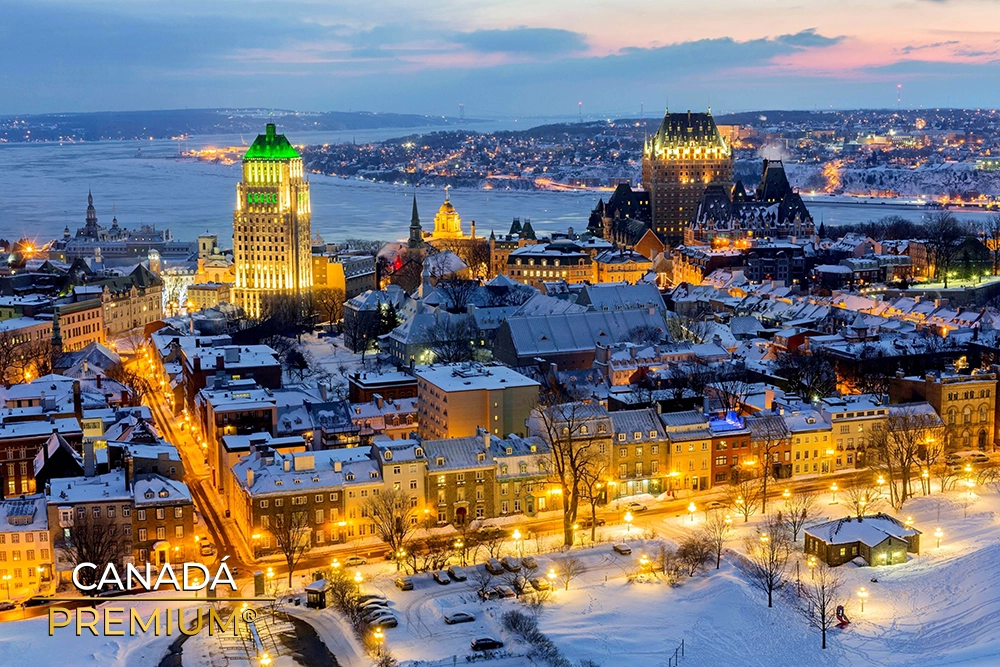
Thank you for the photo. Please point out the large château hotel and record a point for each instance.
(685, 156)
(271, 231)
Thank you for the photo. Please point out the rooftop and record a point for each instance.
(473, 377)
(271, 146)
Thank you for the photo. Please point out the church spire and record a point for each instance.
(416, 231)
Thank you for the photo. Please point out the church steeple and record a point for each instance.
(416, 231)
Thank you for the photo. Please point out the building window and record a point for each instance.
(140, 515)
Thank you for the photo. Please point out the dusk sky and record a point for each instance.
(499, 57)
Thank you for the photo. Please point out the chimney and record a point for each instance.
(220, 363)
(286, 465)
(99, 379)
(78, 399)
(705, 407)
(768, 399)
(337, 466)
(379, 401)
(89, 462)
(249, 477)
(324, 391)
(197, 364)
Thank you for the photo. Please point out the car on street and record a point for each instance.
(374, 605)
(486, 644)
(714, 505)
(510, 564)
(635, 507)
(354, 561)
(540, 584)
(589, 522)
(7, 606)
(458, 617)
(488, 594)
(404, 584)
(372, 596)
(529, 562)
(493, 566)
(456, 574)
(207, 549)
(622, 549)
(442, 578)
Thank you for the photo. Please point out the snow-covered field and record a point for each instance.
(941, 607)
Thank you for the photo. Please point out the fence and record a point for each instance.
(675, 659)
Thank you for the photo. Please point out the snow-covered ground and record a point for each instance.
(941, 607)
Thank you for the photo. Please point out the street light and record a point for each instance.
(881, 482)
(863, 594)
(517, 542)
(938, 534)
(552, 577)
(256, 539)
(833, 490)
(786, 494)
(335, 564)
(6, 584)
(628, 522)
(692, 508)
(460, 546)
(358, 579)
(811, 564)
(379, 637)
(925, 476)
(644, 563)
(909, 522)
(265, 660)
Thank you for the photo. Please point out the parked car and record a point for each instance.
(714, 505)
(489, 594)
(373, 606)
(540, 583)
(456, 573)
(510, 564)
(375, 615)
(458, 617)
(486, 644)
(7, 606)
(442, 578)
(589, 522)
(529, 563)
(354, 561)
(207, 549)
(622, 549)
(404, 584)
(505, 591)
(635, 507)
(385, 622)
(372, 596)
(493, 566)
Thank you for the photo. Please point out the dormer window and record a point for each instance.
(373, 474)
(621, 437)
(583, 430)
(388, 455)
(148, 494)
(439, 461)
(349, 477)
(600, 428)
(652, 434)
(534, 448)
(510, 450)
(480, 457)
(279, 482)
(164, 493)
(637, 435)
(419, 451)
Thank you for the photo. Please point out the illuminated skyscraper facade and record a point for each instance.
(685, 156)
(271, 231)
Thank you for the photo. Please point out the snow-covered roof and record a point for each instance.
(100, 488)
(472, 377)
(23, 514)
(870, 530)
(151, 489)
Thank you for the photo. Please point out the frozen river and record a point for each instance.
(45, 187)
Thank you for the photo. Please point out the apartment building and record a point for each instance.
(26, 554)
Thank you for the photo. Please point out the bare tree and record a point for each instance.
(537, 601)
(458, 293)
(820, 597)
(731, 385)
(694, 551)
(896, 445)
(482, 579)
(570, 428)
(863, 497)
(717, 529)
(130, 376)
(517, 581)
(451, 338)
(569, 568)
(743, 494)
(393, 517)
(93, 540)
(991, 234)
(360, 330)
(292, 533)
(669, 564)
(799, 509)
(944, 238)
(592, 487)
(768, 553)
(491, 540)
(367, 246)
(768, 433)
(330, 303)
(808, 374)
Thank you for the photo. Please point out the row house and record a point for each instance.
(730, 446)
(639, 453)
(21, 442)
(26, 554)
(461, 478)
(966, 403)
(770, 444)
(321, 495)
(152, 517)
(524, 476)
(853, 420)
(395, 419)
(690, 442)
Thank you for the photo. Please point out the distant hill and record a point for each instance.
(118, 125)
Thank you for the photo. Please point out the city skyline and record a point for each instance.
(501, 58)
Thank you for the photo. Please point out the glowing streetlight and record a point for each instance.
(925, 476)
(881, 482)
(552, 574)
(335, 564)
(811, 564)
(786, 494)
(358, 579)
(833, 490)
(863, 594)
(265, 660)
(517, 541)
(692, 508)
(938, 534)
(379, 637)
(644, 563)
(909, 522)
(628, 522)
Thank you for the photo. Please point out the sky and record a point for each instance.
(497, 57)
